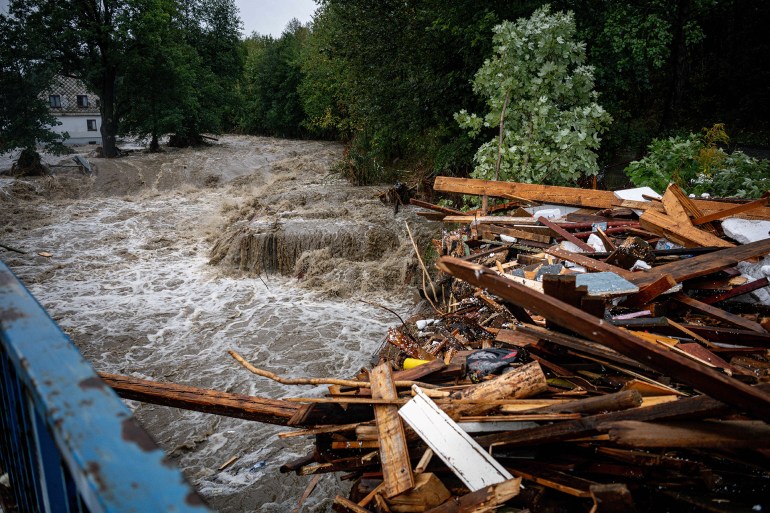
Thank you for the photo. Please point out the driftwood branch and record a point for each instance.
(316, 381)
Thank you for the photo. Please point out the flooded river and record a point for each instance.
(131, 281)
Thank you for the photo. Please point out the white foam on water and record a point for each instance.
(130, 284)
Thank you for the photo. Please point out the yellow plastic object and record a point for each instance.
(411, 363)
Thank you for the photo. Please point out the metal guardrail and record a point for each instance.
(67, 442)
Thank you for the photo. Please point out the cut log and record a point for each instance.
(524, 381)
(702, 378)
(394, 453)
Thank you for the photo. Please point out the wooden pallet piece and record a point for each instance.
(702, 378)
(394, 452)
(475, 468)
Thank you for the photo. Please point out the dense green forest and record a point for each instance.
(388, 77)
(397, 81)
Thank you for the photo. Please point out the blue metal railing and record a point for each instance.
(67, 442)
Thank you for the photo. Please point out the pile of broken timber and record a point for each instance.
(621, 390)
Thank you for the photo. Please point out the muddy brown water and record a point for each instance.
(161, 263)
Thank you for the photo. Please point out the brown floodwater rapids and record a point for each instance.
(163, 262)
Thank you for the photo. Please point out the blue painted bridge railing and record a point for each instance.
(67, 442)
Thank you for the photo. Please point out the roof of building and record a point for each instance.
(73, 97)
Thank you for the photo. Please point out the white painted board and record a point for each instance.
(467, 459)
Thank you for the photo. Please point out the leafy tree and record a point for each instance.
(25, 120)
(272, 81)
(538, 84)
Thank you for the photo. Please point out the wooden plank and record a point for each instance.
(673, 207)
(602, 403)
(561, 232)
(681, 232)
(467, 459)
(428, 492)
(724, 434)
(702, 378)
(736, 291)
(611, 498)
(734, 211)
(394, 452)
(543, 193)
(568, 195)
(466, 219)
(608, 244)
(270, 411)
(481, 501)
(718, 313)
(343, 505)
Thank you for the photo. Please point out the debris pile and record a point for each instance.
(583, 351)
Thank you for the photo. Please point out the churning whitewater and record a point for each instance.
(163, 262)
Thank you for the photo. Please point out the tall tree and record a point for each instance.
(25, 120)
(540, 92)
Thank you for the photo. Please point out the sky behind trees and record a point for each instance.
(269, 17)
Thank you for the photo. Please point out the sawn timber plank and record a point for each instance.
(705, 379)
(394, 452)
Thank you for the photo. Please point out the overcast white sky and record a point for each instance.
(271, 16)
(264, 16)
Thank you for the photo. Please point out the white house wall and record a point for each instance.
(77, 127)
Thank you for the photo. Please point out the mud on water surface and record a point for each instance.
(163, 262)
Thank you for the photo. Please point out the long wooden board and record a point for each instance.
(709, 381)
(566, 195)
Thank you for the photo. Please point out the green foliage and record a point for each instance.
(553, 121)
(698, 165)
(271, 83)
(25, 120)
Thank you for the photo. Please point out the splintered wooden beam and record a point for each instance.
(718, 313)
(650, 291)
(394, 452)
(270, 411)
(436, 208)
(561, 232)
(562, 314)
